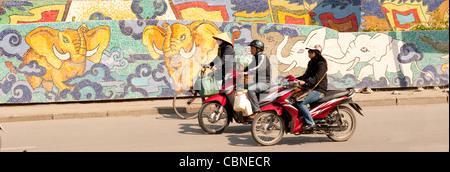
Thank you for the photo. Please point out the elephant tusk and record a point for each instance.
(158, 51)
(284, 60)
(188, 55)
(354, 64)
(92, 52)
(294, 63)
(60, 56)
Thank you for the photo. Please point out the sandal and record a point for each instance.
(254, 115)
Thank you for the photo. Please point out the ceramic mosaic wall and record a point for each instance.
(122, 59)
(342, 15)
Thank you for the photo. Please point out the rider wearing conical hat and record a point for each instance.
(226, 61)
(224, 37)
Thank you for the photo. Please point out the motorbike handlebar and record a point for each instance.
(292, 84)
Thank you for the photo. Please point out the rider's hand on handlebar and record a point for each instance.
(301, 82)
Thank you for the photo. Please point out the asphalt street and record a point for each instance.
(413, 128)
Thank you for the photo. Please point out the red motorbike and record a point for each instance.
(217, 111)
(332, 117)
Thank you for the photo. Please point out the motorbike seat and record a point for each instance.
(334, 94)
(269, 95)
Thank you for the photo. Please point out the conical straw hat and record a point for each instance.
(224, 37)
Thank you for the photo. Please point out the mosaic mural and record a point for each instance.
(342, 15)
(79, 50)
(123, 59)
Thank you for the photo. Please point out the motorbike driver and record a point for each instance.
(261, 70)
(314, 77)
(225, 61)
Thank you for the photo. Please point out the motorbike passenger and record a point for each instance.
(315, 73)
(260, 68)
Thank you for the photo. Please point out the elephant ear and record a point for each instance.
(382, 43)
(203, 33)
(42, 40)
(344, 40)
(153, 39)
(97, 40)
(316, 37)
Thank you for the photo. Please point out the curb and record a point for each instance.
(408, 98)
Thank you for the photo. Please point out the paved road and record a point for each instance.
(388, 128)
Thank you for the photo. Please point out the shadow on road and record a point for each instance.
(169, 116)
(242, 140)
(240, 135)
(195, 129)
(192, 129)
(248, 141)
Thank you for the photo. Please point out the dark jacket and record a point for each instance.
(314, 72)
(261, 69)
(226, 61)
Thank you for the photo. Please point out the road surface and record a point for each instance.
(382, 129)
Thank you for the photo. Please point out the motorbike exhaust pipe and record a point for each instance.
(331, 128)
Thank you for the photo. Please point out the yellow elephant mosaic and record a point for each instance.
(184, 47)
(63, 53)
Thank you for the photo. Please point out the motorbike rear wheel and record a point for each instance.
(268, 128)
(213, 118)
(348, 119)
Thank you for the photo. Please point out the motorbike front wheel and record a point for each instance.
(268, 128)
(213, 118)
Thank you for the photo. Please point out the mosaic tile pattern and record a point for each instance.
(343, 16)
(77, 50)
(122, 59)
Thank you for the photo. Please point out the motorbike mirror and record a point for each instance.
(290, 78)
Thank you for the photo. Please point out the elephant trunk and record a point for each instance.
(255, 34)
(167, 48)
(82, 48)
(284, 60)
(348, 58)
